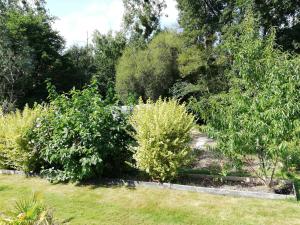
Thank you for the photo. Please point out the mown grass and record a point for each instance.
(92, 204)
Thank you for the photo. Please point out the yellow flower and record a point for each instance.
(21, 216)
(43, 216)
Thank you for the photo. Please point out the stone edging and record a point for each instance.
(209, 190)
(233, 178)
(216, 191)
(11, 172)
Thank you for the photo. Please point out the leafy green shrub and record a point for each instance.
(81, 137)
(29, 211)
(259, 117)
(163, 136)
(14, 150)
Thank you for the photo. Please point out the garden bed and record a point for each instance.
(282, 187)
(208, 164)
(217, 190)
(231, 186)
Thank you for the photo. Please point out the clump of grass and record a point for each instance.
(28, 211)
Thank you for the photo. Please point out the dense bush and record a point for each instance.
(162, 131)
(81, 137)
(14, 150)
(259, 117)
(149, 72)
(28, 211)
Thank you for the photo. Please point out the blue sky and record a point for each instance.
(76, 18)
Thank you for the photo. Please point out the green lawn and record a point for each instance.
(101, 205)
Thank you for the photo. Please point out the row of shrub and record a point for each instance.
(81, 136)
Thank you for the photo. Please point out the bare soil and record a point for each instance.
(209, 160)
(280, 186)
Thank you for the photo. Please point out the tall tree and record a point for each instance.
(15, 66)
(258, 118)
(149, 72)
(29, 37)
(142, 17)
(108, 49)
(204, 24)
(204, 20)
(75, 70)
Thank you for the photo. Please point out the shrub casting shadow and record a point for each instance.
(108, 183)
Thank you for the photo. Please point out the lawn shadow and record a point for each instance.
(109, 183)
(4, 187)
(68, 220)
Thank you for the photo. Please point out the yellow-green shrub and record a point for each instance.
(14, 151)
(162, 131)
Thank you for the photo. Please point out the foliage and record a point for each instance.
(29, 51)
(107, 51)
(162, 131)
(75, 69)
(201, 63)
(259, 116)
(14, 150)
(142, 18)
(81, 137)
(203, 21)
(201, 73)
(149, 72)
(14, 68)
(29, 211)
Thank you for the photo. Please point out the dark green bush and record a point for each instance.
(81, 137)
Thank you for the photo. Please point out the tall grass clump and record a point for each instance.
(29, 211)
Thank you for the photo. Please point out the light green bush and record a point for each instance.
(162, 131)
(14, 151)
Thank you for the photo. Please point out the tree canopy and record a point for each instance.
(149, 72)
(142, 17)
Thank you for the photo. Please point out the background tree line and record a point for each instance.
(142, 59)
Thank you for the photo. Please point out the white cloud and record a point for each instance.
(102, 16)
(95, 16)
(171, 13)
